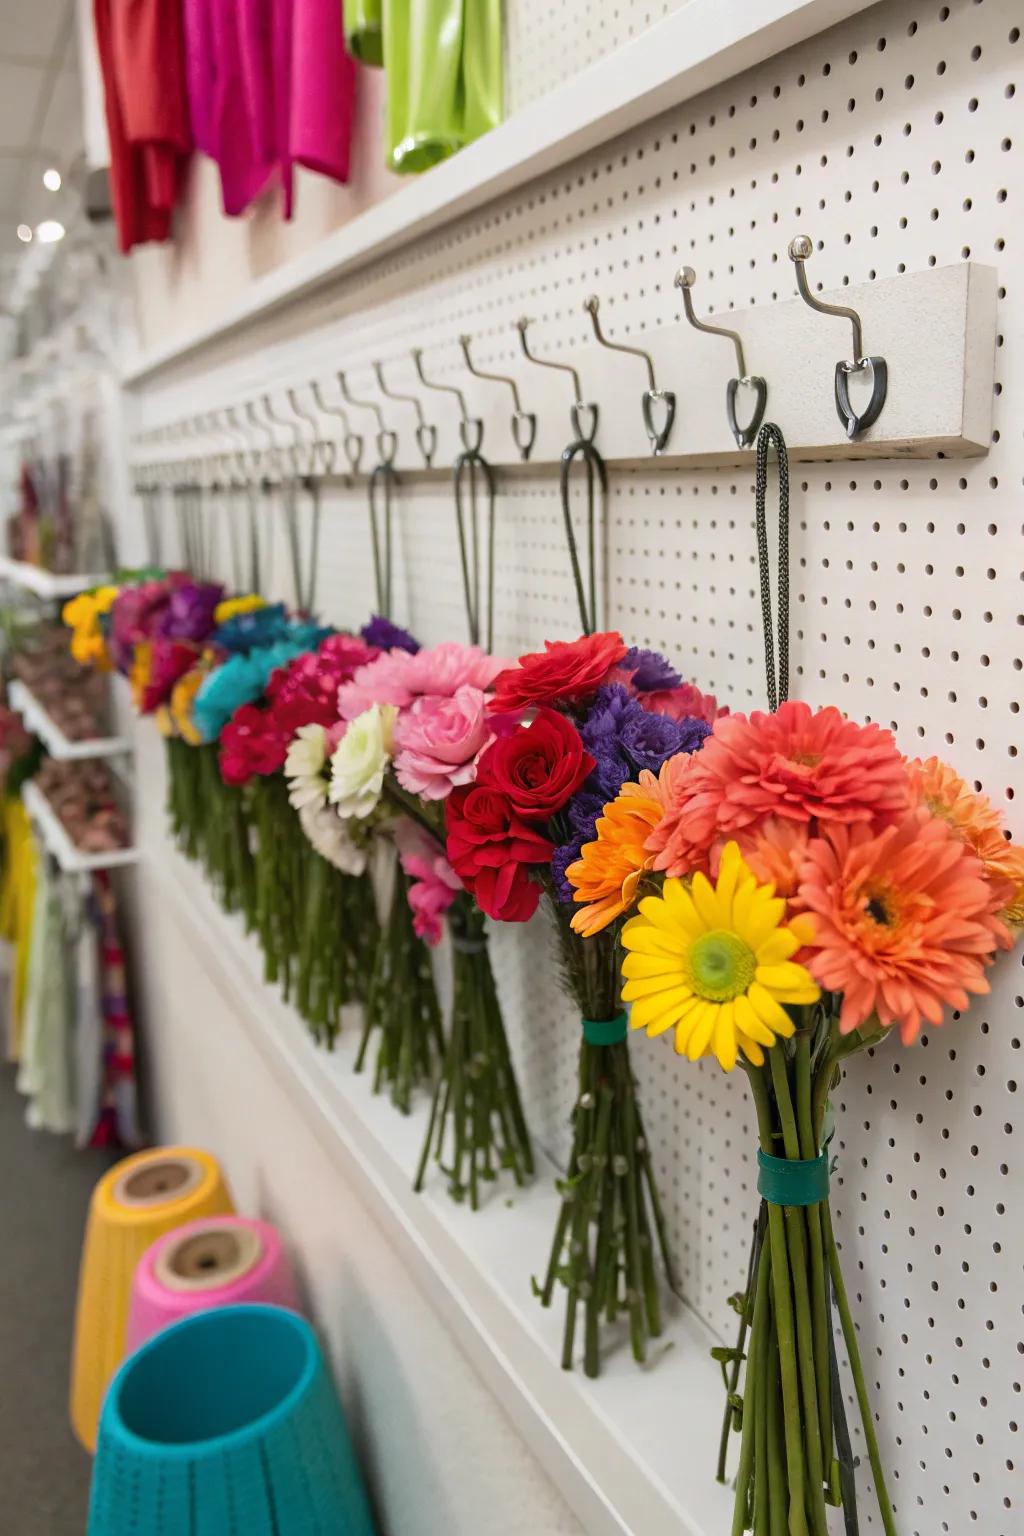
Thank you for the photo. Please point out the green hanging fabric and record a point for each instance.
(364, 30)
(444, 66)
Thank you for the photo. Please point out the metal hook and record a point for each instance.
(658, 437)
(801, 248)
(289, 426)
(317, 445)
(351, 442)
(387, 441)
(426, 435)
(685, 279)
(579, 405)
(524, 423)
(471, 428)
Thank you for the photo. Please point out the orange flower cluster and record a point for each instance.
(904, 871)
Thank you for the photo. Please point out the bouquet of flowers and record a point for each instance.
(600, 717)
(314, 911)
(818, 891)
(412, 727)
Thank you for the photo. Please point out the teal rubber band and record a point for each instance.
(792, 1181)
(605, 1031)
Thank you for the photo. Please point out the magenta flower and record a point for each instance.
(435, 884)
(397, 677)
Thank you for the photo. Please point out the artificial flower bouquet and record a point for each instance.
(817, 892)
(412, 728)
(581, 720)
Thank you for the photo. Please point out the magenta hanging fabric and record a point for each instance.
(270, 87)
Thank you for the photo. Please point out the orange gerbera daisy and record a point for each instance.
(798, 764)
(906, 921)
(774, 852)
(975, 819)
(608, 871)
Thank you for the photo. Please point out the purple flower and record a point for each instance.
(387, 636)
(189, 611)
(584, 809)
(562, 857)
(648, 671)
(650, 739)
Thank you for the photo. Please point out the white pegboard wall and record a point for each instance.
(896, 141)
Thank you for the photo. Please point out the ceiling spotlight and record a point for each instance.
(24, 233)
(49, 231)
(52, 179)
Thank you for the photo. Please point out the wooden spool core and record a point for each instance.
(159, 1181)
(204, 1260)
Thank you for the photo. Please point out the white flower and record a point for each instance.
(305, 766)
(331, 839)
(360, 760)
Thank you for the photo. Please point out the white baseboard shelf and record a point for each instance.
(633, 1453)
(46, 584)
(56, 841)
(50, 734)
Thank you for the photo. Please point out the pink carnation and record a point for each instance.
(397, 677)
(434, 883)
(438, 740)
(682, 703)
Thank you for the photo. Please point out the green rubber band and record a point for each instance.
(792, 1181)
(605, 1031)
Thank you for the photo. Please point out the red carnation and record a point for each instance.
(490, 848)
(565, 669)
(251, 743)
(539, 767)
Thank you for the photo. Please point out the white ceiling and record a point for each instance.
(40, 114)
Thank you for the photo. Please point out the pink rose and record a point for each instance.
(434, 882)
(438, 740)
(397, 677)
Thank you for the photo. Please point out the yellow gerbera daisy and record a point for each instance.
(231, 607)
(715, 964)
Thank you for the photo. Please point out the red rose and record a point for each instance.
(563, 670)
(539, 766)
(251, 742)
(490, 847)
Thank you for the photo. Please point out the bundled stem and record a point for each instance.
(476, 1108)
(794, 1454)
(611, 1220)
(401, 1005)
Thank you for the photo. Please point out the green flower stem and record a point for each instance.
(850, 1336)
(777, 1519)
(401, 1004)
(795, 1231)
(476, 1098)
(762, 1519)
(783, 1304)
(820, 1321)
(733, 1378)
(754, 1394)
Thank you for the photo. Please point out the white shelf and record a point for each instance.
(57, 744)
(634, 1452)
(55, 839)
(690, 51)
(46, 583)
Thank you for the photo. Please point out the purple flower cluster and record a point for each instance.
(387, 636)
(189, 611)
(623, 738)
(649, 672)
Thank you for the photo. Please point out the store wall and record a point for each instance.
(438, 1450)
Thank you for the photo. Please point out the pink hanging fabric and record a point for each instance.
(271, 87)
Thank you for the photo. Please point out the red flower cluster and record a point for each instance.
(494, 831)
(251, 743)
(565, 669)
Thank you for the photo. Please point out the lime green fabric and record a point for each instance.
(444, 66)
(364, 30)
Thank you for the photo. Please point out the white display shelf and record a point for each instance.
(46, 583)
(49, 732)
(631, 1452)
(687, 52)
(55, 839)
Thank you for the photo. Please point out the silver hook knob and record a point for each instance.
(652, 395)
(426, 435)
(801, 248)
(744, 435)
(524, 423)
